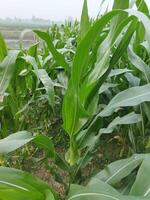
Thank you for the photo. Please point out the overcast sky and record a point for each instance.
(46, 9)
(56, 10)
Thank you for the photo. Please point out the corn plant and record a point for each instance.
(119, 180)
(81, 99)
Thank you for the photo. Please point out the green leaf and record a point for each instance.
(139, 64)
(141, 186)
(102, 186)
(19, 139)
(116, 72)
(107, 86)
(3, 48)
(146, 46)
(81, 57)
(145, 21)
(133, 80)
(57, 56)
(32, 61)
(95, 190)
(19, 185)
(7, 68)
(146, 109)
(84, 22)
(142, 6)
(98, 190)
(14, 141)
(48, 85)
(130, 118)
(44, 142)
(130, 97)
(116, 171)
(119, 4)
(32, 51)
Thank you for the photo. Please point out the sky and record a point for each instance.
(55, 10)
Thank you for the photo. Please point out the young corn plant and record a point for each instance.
(82, 96)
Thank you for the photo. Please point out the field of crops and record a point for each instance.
(14, 38)
(13, 31)
(75, 109)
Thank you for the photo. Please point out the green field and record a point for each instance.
(12, 31)
(14, 40)
(75, 107)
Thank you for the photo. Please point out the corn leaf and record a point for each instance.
(141, 185)
(3, 48)
(84, 22)
(16, 184)
(130, 97)
(98, 190)
(116, 171)
(7, 68)
(48, 85)
(130, 118)
(57, 56)
(139, 64)
(19, 139)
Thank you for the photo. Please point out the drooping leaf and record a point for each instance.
(130, 118)
(44, 142)
(118, 170)
(98, 190)
(141, 186)
(116, 72)
(145, 21)
(3, 48)
(130, 97)
(95, 190)
(14, 141)
(139, 64)
(57, 56)
(19, 185)
(106, 86)
(32, 51)
(19, 139)
(48, 85)
(133, 80)
(32, 61)
(7, 67)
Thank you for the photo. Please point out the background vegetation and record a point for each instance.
(74, 109)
